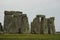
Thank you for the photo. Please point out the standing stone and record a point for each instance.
(35, 26)
(49, 26)
(42, 24)
(16, 22)
(46, 27)
(7, 20)
(25, 24)
(10, 21)
(38, 24)
(52, 24)
(1, 28)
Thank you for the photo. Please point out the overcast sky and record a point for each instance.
(32, 8)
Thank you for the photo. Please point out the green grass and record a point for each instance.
(29, 37)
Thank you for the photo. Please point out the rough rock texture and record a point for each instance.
(16, 22)
(52, 23)
(1, 28)
(46, 27)
(25, 24)
(43, 25)
(13, 22)
(35, 26)
(51, 26)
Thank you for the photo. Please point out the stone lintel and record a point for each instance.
(40, 16)
(52, 18)
(12, 12)
(24, 15)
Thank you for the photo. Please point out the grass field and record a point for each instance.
(29, 37)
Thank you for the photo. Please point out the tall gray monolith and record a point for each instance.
(25, 24)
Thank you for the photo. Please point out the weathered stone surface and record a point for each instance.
(15, 22)
(1, 28)
(43, 25)
(49, 26)
(40, 16)
(38, 24)
(12, 12)
(46, 27)
(35, 26)
(25, 24)
(52, 24)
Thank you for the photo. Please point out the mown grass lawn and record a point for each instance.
(29, 37)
